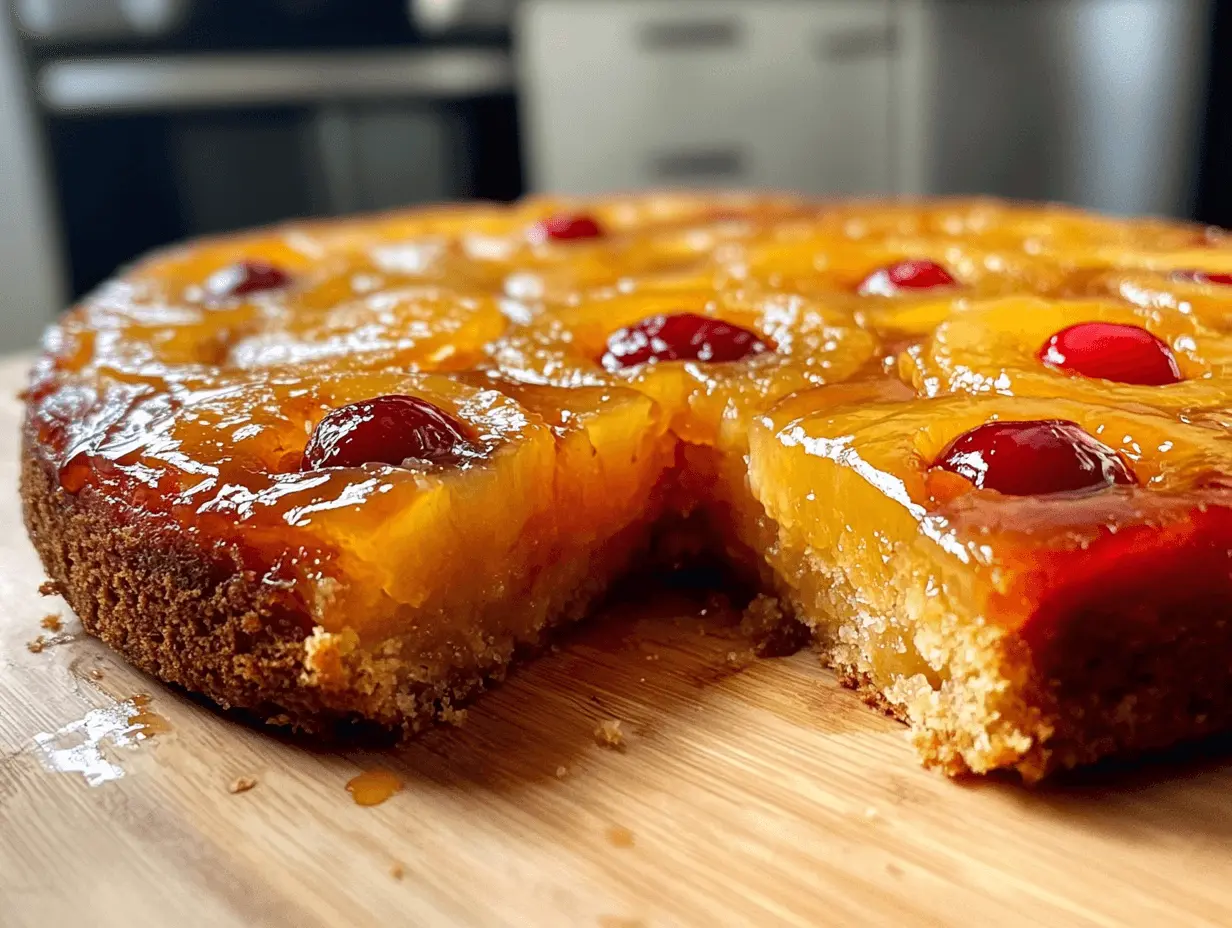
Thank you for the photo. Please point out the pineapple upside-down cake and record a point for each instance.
(347, 470)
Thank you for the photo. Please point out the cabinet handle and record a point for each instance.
(861, 42)
(698, 163)
(683, 35)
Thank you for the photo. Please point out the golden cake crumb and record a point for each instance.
(770, 628)
(242, 784)
(50, 588)
(562, 771)
(52, 623)
(609, 735)
(95, 673)
(762, 614)
(451, 716)
(396, 870)
(37, 645)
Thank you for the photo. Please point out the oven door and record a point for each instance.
(153, 150)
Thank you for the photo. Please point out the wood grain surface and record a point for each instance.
(747, 793)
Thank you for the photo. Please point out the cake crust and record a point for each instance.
(202, 622)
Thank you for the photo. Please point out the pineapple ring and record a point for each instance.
(707, 403)
(897, 442)
(1164, 291)
(993, 347)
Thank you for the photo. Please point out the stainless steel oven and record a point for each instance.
(171, 118)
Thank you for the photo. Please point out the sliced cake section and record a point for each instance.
(399, 535)
(1029, 583)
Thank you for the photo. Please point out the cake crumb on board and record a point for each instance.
(396, 870)
(52, 622)
(50, 588)
(241, 785)
(608, 734)
(770, 629)
(41, 643)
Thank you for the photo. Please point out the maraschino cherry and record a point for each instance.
(385, 430)
(564, 227)
(1112, 351)
(1034, 458)
(245, 278)
(913, 274)
(680, 337)
(1203, 277)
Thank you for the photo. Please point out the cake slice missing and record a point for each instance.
(1022, 593)
(217, 553)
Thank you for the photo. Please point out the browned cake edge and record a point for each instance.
(208, 625)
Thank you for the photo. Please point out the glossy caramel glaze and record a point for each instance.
(178, 402)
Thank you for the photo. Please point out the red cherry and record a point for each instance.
(1034, 458)
(244, 278)
(914, 274)
(680, 337)
(567, 227)
(1202, 277)
(385, 430)
(1112, 351)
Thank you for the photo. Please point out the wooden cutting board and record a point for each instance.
(747, 793)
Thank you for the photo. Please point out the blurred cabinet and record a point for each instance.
(1095, 102)
(635, 93)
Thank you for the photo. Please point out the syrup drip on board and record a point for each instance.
(619, 836)
(147, 724)
(372, 787)
(87, 746)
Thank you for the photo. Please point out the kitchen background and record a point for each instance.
(126, 124)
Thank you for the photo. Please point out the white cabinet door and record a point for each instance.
(635, 93)
(824, 95)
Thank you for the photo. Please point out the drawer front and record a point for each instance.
(824, 95)
(630, 93)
